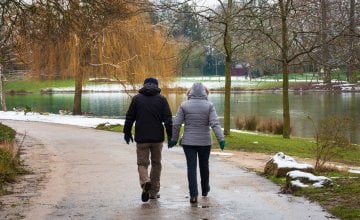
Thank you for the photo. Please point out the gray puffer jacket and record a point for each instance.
(198, 115)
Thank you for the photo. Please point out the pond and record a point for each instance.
(317, 105)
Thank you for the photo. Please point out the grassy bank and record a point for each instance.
(36, 86)
(341, 200)
(24, 86)
(299, 147)
(9, 161)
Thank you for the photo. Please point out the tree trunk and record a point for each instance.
(227, 96)
(351, 67)
(228, 59)
(83, 62)
(326, 71)
(78, 91)
(2, 90)
(284, 57)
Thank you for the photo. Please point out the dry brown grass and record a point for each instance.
(11, 147)
(266, 125)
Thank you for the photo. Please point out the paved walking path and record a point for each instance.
(91, 174)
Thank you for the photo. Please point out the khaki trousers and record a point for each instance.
(147, 152)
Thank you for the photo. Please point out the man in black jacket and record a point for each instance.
(150, 111)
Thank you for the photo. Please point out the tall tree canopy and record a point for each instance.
(110, 38)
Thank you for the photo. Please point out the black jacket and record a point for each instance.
(149, 110)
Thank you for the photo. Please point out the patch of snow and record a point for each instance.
(222, 154)
(299, 174)
(319, 181)
(84, 121)
(284, 161)
(96, 88)
(318, 185)
(242, 131)
(354, 170)
(346, 88)
(297, 183)
(102, 79)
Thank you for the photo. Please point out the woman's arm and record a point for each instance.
(178, 121)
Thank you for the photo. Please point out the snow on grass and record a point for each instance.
(354, 170)
(222, 154)
(84, 121)
(298, 183)
(318, 181)
(284, 161)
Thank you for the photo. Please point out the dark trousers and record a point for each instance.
(191, 154)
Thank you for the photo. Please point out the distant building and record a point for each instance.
(240, 70)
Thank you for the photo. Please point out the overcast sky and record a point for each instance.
(207, 2)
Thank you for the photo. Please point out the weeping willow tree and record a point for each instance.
(101, 39)
(133, 50)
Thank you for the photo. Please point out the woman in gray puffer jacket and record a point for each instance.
(198, 115)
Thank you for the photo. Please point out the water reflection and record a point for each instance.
(317, 105)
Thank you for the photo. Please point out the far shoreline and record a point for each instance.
(293, 87)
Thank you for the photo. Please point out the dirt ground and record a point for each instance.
(37, 161)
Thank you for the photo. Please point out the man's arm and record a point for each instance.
(167, 119)
(130, 118)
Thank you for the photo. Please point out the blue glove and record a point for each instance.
(222, 145)
(128, 138)
(171, 143)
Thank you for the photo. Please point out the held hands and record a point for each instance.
(222, 145)
(128, 138)
(171, 143)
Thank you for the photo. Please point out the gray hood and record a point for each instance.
(197, 91)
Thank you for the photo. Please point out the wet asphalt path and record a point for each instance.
(94, 176)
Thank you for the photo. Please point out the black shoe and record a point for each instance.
(145, 193)
(205, 193)
(157, 196)
(193, 200)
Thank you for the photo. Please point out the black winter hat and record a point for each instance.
(151, 80)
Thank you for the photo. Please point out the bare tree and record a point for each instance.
(2, 92)
(225, 24)
(10, 11)
(325, 68)
(352, 39)
(284, 23)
